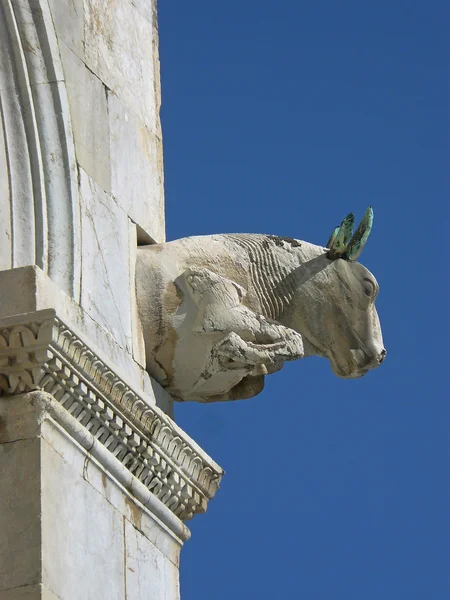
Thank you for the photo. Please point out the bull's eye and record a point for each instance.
(369, 288)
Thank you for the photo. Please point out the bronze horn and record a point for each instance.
(357, 243)
(337, 244)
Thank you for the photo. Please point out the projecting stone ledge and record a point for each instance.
(75, 522)
(136, 442)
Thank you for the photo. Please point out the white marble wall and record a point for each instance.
(82, 162)
(73, 531)
(81, 184)
(109, 52)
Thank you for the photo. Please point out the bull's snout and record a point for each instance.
(382, 356)
(363, 362)
(376, 359)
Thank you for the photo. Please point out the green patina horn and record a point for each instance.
(343, 243)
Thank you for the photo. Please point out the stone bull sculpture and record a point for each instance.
(220, 312)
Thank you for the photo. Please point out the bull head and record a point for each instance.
(358, 318)
(343, 243)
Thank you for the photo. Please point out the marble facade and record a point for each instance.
(97, 479)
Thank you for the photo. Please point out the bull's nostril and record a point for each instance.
(382, 355)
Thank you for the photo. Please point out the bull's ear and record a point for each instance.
(359, 239)
(340, 237)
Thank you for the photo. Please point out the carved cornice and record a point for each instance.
(40, 352)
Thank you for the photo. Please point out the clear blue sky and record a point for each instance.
(281, 117)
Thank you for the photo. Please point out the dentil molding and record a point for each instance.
(38, 351)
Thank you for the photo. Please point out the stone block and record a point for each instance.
(89, 113)
(137, 174)
(120, 49)
(20, 513)
(67, 448)
(159, 581)
(159, 537)
(80, 529)
(105, 283)
(133, 511)
(18, 420)
(68, 18)
(55, 524)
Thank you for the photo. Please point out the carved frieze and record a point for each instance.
(40, 352)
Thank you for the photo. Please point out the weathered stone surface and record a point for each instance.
(75, 517)
(159, 580)
(220, 312)
(35, 23)
(20, 512)
(90, 124)
(120, 49)
(154, 532)
(148, 9)
(40, 167)
(137, 175)
(68, 18)
(79, 509)
(133, 511)
(105, 268)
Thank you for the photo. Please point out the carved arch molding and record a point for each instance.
(39, 208)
